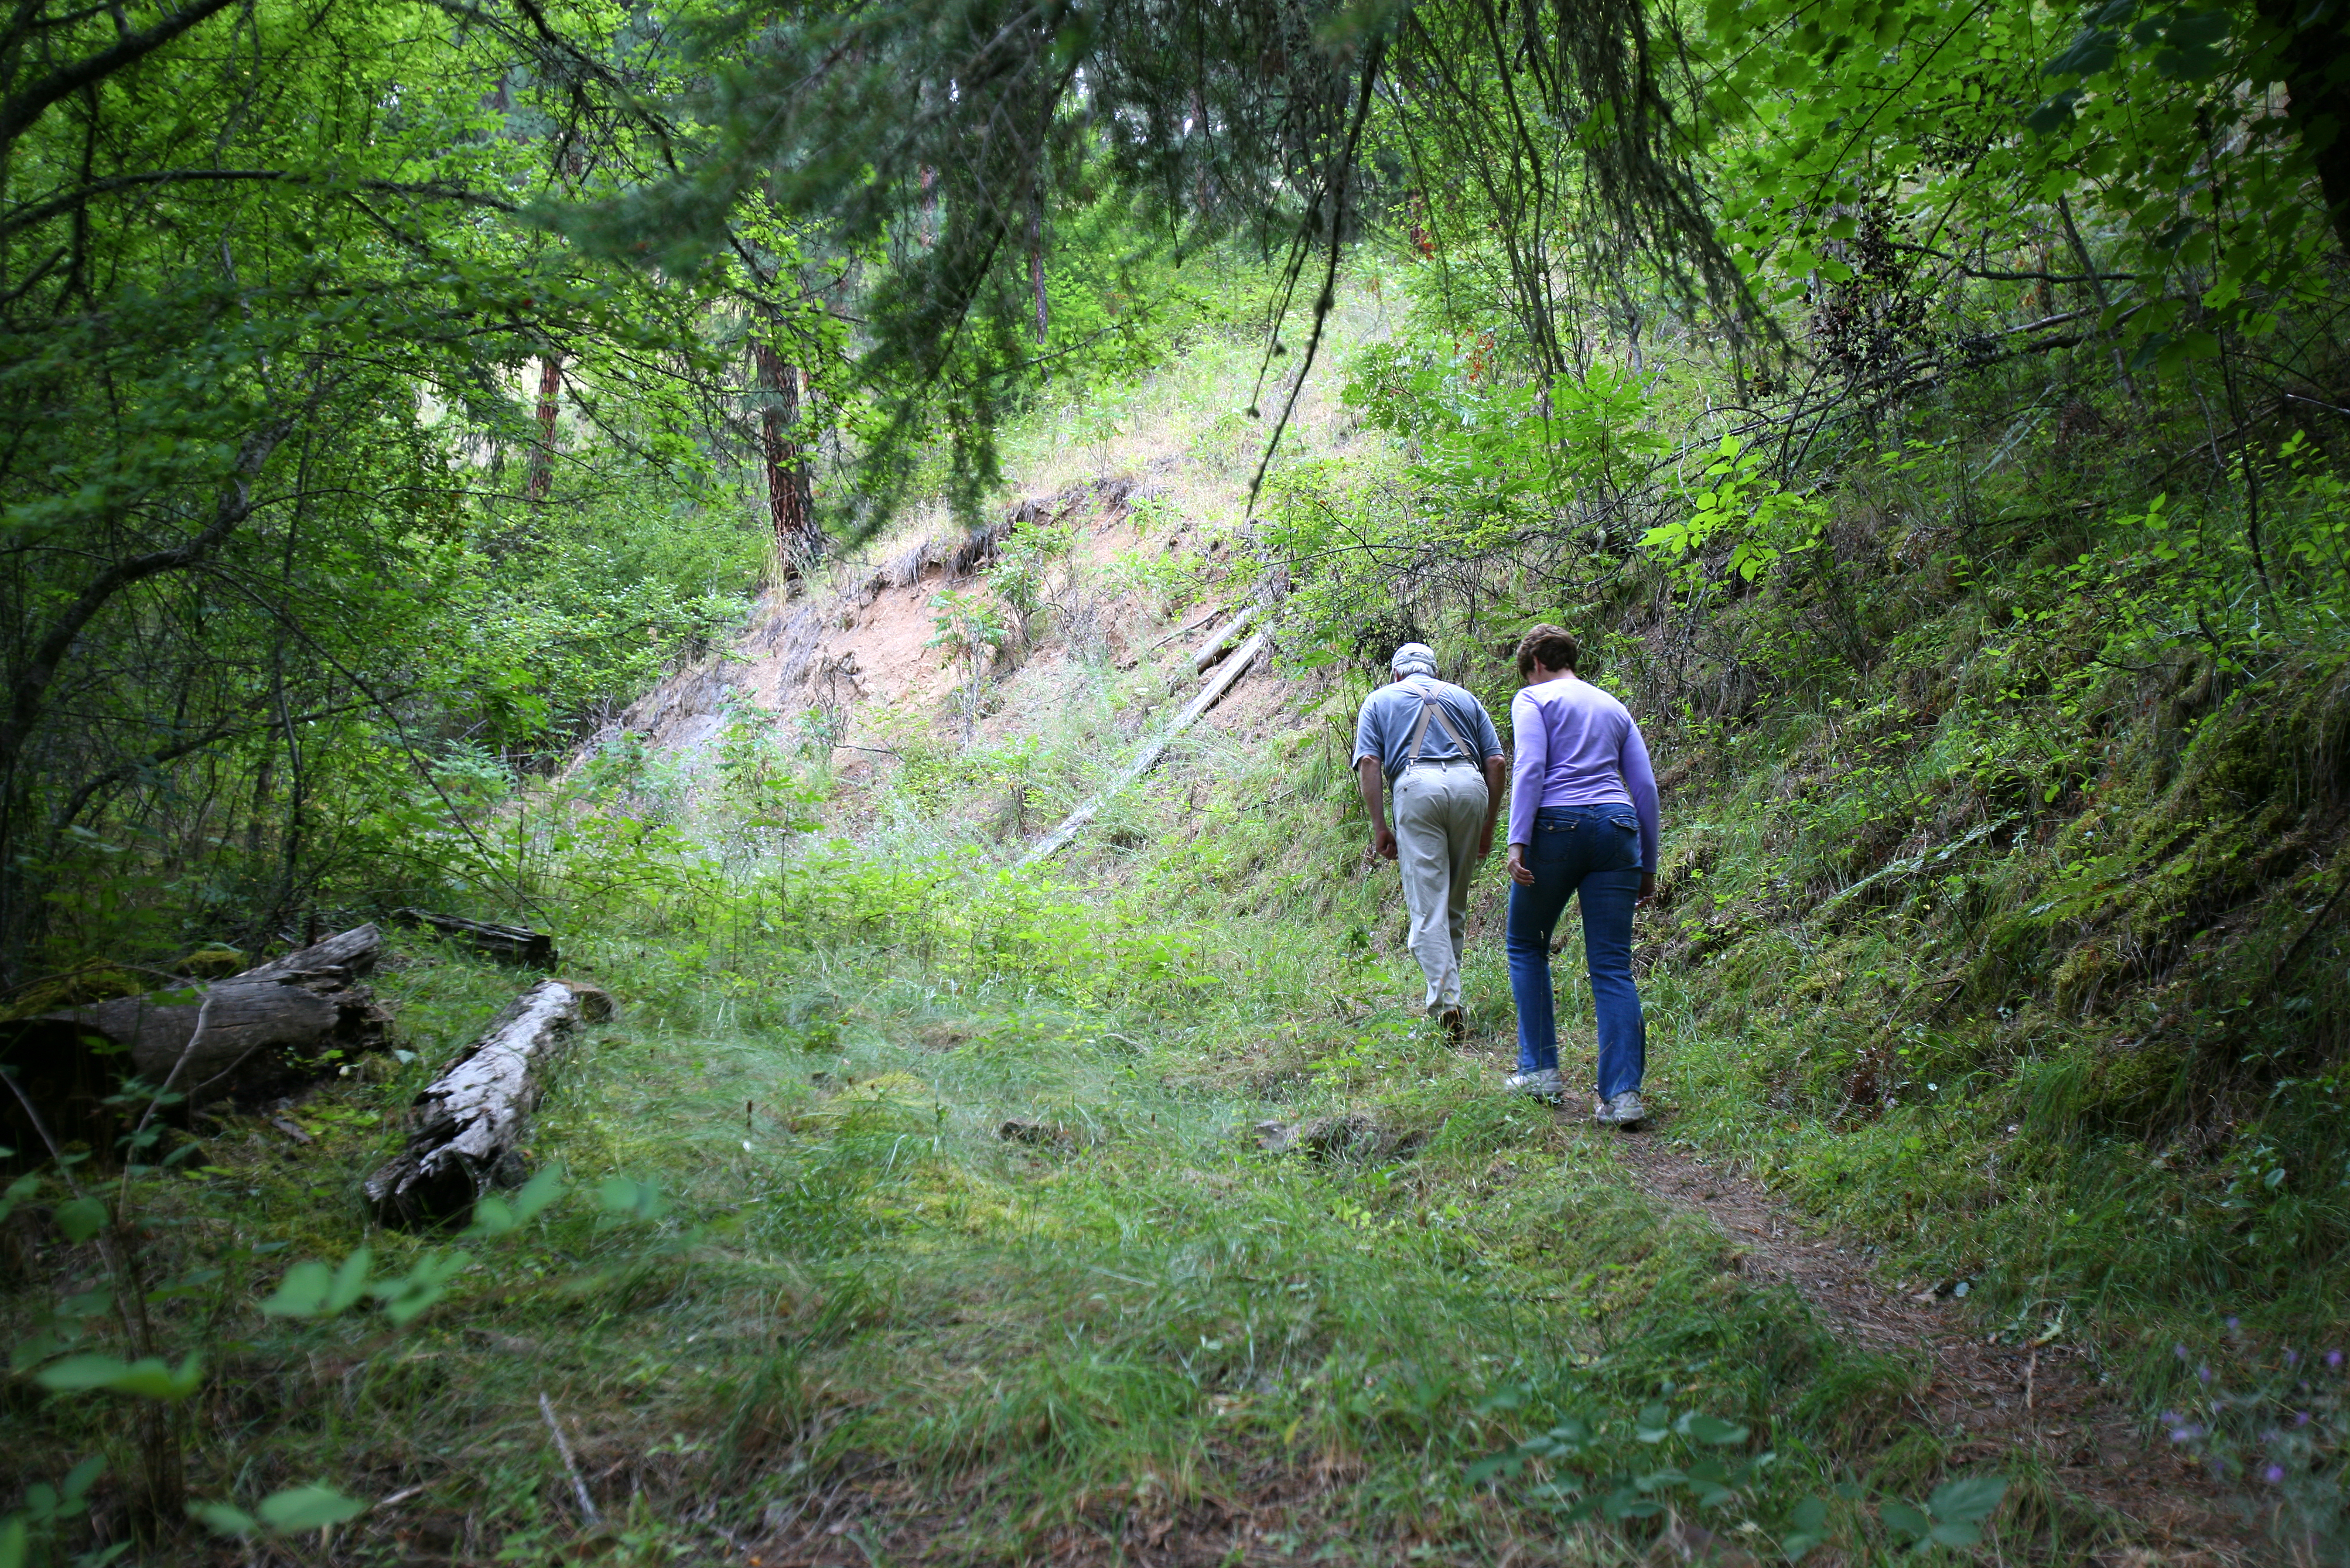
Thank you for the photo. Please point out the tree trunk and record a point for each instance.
(1037, 259)
(467, 1127)
(509, 944)
(2314, 42)
(541, 481)
(266, 1026)
(790, 497)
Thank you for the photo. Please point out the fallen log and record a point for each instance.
(1218, 684)
(465, 1130)
(510, 944)
(271, 1023)
(1222, 637)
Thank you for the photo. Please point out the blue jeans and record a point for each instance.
(1596, 850)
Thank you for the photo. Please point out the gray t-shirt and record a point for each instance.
(1383, 729)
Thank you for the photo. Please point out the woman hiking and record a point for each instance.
(1583, 819)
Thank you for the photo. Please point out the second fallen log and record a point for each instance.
(466, 1128)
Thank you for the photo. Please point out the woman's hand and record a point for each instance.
(1518, 871)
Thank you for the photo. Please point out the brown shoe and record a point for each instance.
(1454, 1023)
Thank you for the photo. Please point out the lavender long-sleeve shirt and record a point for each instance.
(1578, 746)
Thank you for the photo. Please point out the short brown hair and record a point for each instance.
(1552, 647)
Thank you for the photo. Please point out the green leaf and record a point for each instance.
(81, 1219)
(2087, 55)
(1955, 1535)
(24, 1187)
(2053, 115)
(1905, 1521)
(638, 1199)
(425, 1284)
(12, 1542)
(1967, 1500)
(1509, 1461)
(222, 1520)
(538, 1193)
(301, 1293)
(147, 1377)
(1710, 1430)
(79, 1480)
(350, 1282)
(301, 1508)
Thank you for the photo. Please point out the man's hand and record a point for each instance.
(1383, 842)
(1518, 873)
(1648, 888)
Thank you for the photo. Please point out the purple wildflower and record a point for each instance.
(2180, 1350)
(2232, 1325)
(2300, 1417)
(2292, 1358)
(2273, 1474)
(2185, 1434)
(2333, 1359)
(2202, 1375)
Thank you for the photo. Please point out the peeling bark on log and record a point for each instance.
(514, 944)
(266, 1025)
(466, 1128)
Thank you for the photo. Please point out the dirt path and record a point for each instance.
(1991, 1401)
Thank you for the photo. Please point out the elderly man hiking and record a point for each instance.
(1583, 820)
(1435, 746)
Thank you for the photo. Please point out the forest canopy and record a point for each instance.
(394, 387)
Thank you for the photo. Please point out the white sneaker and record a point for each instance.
(1543, 1083)
(1624, 1111)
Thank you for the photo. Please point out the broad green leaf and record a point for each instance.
(12, 1542)
(1967, 1498)
(2087, 55)
(147, 1377)
(77, 1373)
(1711, 1429)
(221, 1519)
(491, 1217)
(301, 1293)
(350, 1282)
(538, 1193)
(301, 1508)
(79, 1480)
(422, 1285)
(638, 1199)
(81, 1219)
(21, 1188)
(1955, 1535)
(1905, 1521)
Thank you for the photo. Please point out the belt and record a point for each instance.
(1439, 763)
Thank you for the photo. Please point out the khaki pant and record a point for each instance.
(1439, 821)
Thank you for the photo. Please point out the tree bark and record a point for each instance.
(790, 496)
(467, 1127)
(266, 1027)
(1036, 260)
(510, 944)
(2314, 42)
(541, 480)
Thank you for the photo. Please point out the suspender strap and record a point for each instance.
(1430, 708)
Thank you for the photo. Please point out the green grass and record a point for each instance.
(854, 1283)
